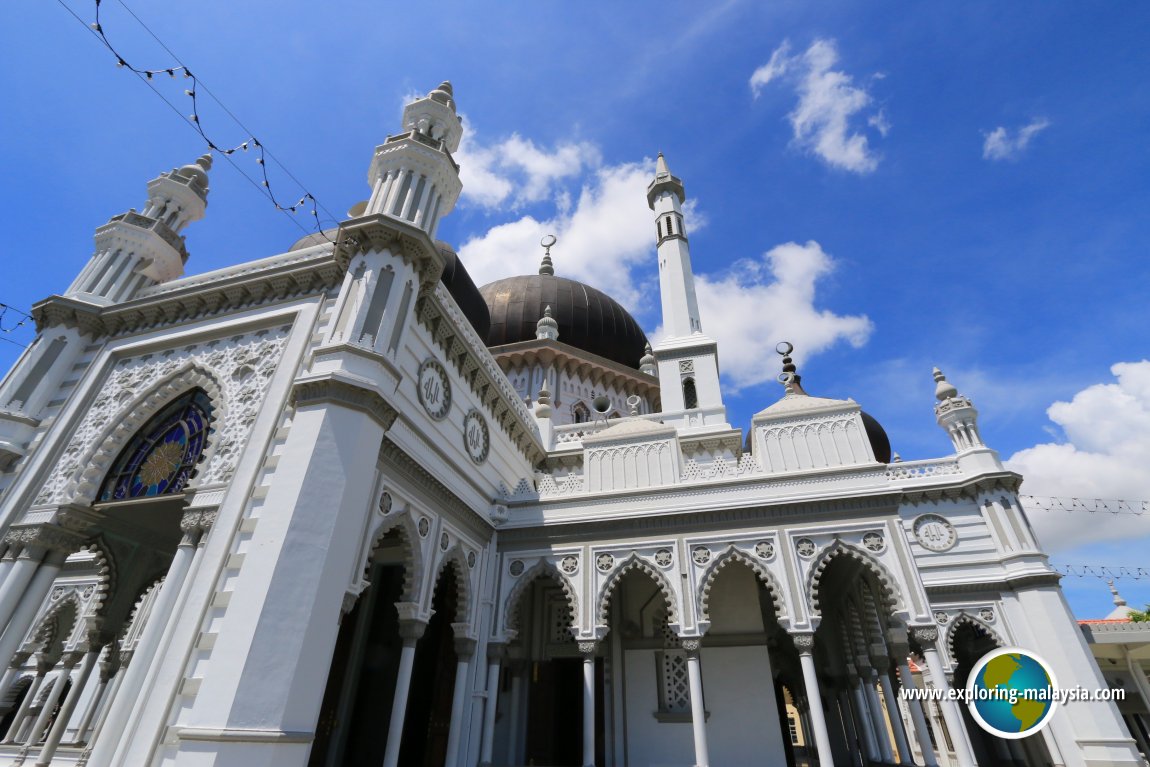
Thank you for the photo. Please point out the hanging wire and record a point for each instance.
(147, 76)
(1104, 572)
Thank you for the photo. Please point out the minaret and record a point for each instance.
(688, 363)
(412, 175)
(666, 196)
(956, 415)
(136, 250)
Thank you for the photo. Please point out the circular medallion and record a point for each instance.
(764, 549)
(805, 547)
(476, 439)
(873, 541)
(663, 558)
(986, 614)
(935, 533)
(701, 555)
(516, 567)
(569, 564)
(424, 526)
(434, 389)
(444, 541)
(471, 559)
(385, 503)
(604, 562)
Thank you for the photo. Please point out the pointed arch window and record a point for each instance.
(161, 459)
(690, 396)
(580, 413)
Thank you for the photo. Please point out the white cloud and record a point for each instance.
(1105, 455)
(999, 144)
(828, 102)
(604, 234)
(760, 302)
(516, 170)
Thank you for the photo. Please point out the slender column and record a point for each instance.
(464, 651)
(61, 723)
(588, 651)
(862, 711)
(877, 718)
(17, 580)
(29, 698)
(410, 630)
(895, 715)
(420, 206)
(102, 716)
(805, 644)
(853, 744)
(93, 707)
(25, 613)
(916, 714)
(516, 669)
(926, 638)
(121, 707)
(494, 657)
(393, 192)
(409, 201)
(41, 723)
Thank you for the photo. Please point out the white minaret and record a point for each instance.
(412, 175)
(685, 356)
(135, 250)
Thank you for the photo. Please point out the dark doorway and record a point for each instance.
(427, 724)
(555, 713)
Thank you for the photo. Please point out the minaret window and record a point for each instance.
(670, 231)
(690, 396)
(659, 227)
(400, 319)
(161, 459)
(580, 413)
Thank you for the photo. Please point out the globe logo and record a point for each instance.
(1011, 692)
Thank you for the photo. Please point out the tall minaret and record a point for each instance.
(135, 250)
(412, 175)
(685, 356)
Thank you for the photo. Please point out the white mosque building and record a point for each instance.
(339, 506)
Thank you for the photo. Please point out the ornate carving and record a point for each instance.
(804, 641)
(588, 648)
(635, 562)
(385, 503)
(733, 554)
(604, 562)
(569, 564)
(423, 526)
(941, 618)
(690, 645)
(663, 558)
(516, 567)
(471, 559)
(986, 614)
(887, 585)
(444, 541)
(150, 382)
(873, 541)
(764, 549)
(538, 570)
(701, 555)
(805, 547)
(347, 394)
(935, 533)
(924, 635)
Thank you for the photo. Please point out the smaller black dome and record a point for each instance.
(462, 288)
(876, 434)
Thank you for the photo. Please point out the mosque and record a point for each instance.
(341, 506)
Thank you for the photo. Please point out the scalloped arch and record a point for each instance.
(455, 559)
(635, 562)
(50, 631)
(404, 524)
(890, 594)
(730, 555)
(103, 450)
(106, 571)
(966, 619)
(541, 569)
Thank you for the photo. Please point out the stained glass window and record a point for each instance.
(162, 457)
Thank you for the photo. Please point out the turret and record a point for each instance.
(412, 175)
(139, 249)
(956, 415)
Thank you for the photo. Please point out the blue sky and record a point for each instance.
(890, 187)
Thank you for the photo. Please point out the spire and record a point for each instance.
(790, 378)
(943, 389)
(546, 268)
(1118, 600)
(664, 182)
(956, 415)
(543, 401)
(547, 329)
(648, 364)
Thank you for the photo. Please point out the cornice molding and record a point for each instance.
(994, 585)
(341, 391)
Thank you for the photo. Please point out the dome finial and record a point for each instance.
(543, 400)
(789, 378)
(648, 364)
(943, 389)
(1118, 600)
(546, 267)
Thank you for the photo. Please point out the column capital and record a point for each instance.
(588, 647)
(804, 641)
(195, 523)
(496, 651)
(411, 629)
(465, 647)
(691, 645)
(73, 657)
(926, 636)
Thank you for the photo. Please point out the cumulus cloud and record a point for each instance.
(1104, 455)
(1002, 144)
(778, 292)
(516, 170)
(829, 101)
(605, 232)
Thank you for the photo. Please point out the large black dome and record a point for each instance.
(588, 318)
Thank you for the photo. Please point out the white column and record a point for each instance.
(588, 651)
(61, 723)
(864, 718)
(421, 206)
(853, 743)
(877, 719)
(916, 714)
(464, 651)
(494, 655)
(13, 674)
(516, 670)
(25, 612)
(904, 755)
(17, 579)
(805, 644)
(409, 201)
(926, 638)
(93, 707)
(102, 716)
(53, 697)
(29, 698)
(120, 708)
(410, 630)
(396, 185)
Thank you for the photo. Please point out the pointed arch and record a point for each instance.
(731, 555)
(635, 562)
(456, 560)
(889, 593)
(403, 524)
(966, 619)
(541, 569)
(94, 460)
(105, 571)
(54, 629)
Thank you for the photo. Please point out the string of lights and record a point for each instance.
(24, 318)
(1104, 572)
(148, 76)
(1088, 505)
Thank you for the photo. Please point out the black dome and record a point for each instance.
(588, 318)
(462, 288)
(876, 434)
